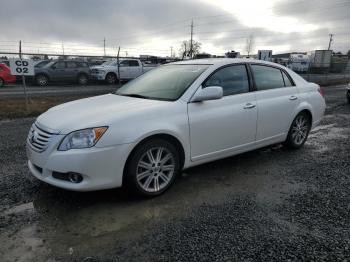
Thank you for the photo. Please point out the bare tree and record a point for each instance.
(185, 48)
(250, 44)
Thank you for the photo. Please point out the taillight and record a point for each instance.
(321, 91)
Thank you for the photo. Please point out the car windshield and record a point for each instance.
(167, 82)
(42, 64)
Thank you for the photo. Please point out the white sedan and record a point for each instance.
(174, 117)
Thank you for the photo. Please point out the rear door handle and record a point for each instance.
(249, 106)
(293, 98)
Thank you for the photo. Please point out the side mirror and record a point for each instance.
(208, 93)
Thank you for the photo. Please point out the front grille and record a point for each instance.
(39, 138)
(94, 71)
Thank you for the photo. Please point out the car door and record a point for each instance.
(72, 70)
(58, 71)
(135, 68)
(124, 69)
(277, 99)
(221, 127)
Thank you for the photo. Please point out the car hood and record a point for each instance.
(96, 111)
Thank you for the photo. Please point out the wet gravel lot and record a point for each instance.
(271, 204)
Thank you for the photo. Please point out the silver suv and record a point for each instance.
(64, 71)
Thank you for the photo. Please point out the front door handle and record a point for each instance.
(249, 106)
(293, 98)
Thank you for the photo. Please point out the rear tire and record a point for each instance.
(298, 131)
(2, 82)
(42, 80)
(152, 168)
(83, 79)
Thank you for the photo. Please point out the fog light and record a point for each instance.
(75, 177)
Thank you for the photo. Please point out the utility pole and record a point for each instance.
(104, 46)
(118, 66)
(23, 77)
(171, 51)
(185, 52)
(330, 41)
(62, 48)
(191, 41)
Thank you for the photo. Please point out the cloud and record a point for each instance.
(153, 26)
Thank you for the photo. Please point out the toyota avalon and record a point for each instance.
(171, 118)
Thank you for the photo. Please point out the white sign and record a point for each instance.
(21, 67)
(265, 55)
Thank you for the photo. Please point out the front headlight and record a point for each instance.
(82, 138)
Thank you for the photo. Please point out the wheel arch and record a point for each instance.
(304, 107)
(168, 137)
(42, 74)
(83, 73)
(308, 112)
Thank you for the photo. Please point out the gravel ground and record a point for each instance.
(271, 204)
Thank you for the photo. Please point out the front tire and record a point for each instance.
(2, 82)
(42, 80)
(111, 78)
(298, 131)
(152, 168)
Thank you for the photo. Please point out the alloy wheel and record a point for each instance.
(155, 169)
(42, 80)
(111, 79)
(300, 129)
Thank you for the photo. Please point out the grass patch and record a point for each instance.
(15, 107)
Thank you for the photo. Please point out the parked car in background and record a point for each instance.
(62, 70)
(5, 75)
(174, 117)
(128, 68)
(5, 61)
(41, 63)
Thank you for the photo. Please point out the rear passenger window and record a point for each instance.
(133, 63)
(267, 77)
(60, 65)
(71, 65)
(286, 79)
(232, 79)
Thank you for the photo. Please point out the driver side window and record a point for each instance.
(60, 65)
(233, 80)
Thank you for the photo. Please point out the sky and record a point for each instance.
(155, 27)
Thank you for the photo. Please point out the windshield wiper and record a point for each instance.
(135, 95)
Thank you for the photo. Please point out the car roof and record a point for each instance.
(223, 61)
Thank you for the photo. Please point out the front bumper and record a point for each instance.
(101, 168)
(97, 76)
